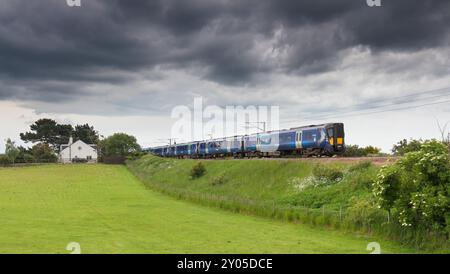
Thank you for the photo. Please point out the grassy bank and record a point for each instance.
(337, 195)
(107, 210)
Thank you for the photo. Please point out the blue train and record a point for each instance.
(314, 140)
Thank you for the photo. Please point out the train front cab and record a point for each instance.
(336, 137)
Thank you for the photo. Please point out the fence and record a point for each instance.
(371, 221)
(30, 163)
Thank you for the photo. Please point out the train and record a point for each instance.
(313, 140)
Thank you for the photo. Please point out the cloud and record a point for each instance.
(124, 58)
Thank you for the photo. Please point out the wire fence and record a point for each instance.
(362, 219)
(28, 163)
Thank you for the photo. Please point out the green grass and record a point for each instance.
(254, 181)
(289, 190)
(107, 210)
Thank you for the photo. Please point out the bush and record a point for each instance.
(198, 170)
(403, 146)
(327, 173)
(447, 220)
(79, 160)
(28, 158)
(4, 160)
(113, 160)
(44, 153)
(354, 151)
(219, 179)
(417, 187)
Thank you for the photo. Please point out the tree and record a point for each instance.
(356, 151)
(48, 131)
(445, 136)
(403, 146)
(119, 144)
(42, 152)
(86, 133)
(4, 160)
(25, 155)
(11, 151)
(372, 150)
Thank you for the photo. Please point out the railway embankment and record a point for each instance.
(326, 193)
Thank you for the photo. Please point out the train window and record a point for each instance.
(266, 140)
(310, 136)
(339, 130)
(330, 132)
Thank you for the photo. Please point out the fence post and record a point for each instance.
(388, 217)
(340, 213)
(323, 210)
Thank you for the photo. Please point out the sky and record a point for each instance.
(122, 66)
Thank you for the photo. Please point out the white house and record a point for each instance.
(78, 151)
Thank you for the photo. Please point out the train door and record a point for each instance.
(196, 148)
(258, 143)
(339, 137)
(298, 140)
(331, 136)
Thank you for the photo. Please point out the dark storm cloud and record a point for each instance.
(228, 42)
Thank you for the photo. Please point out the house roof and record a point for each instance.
(66, 146)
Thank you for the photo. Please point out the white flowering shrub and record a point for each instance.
(301, 184)
(417, 187)
(322, 176)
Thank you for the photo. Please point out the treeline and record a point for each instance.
(47, 136)
(357, 151)
(399, 149)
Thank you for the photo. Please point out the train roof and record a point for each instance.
(247, 135)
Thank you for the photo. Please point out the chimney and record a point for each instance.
(70, 140)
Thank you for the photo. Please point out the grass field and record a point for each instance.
(107, 210)
(256, 180)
